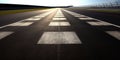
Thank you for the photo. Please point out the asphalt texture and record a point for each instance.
(109, 17)
(22, 44)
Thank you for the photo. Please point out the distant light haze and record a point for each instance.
(55, 2)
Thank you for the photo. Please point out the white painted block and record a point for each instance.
(59, 24)
(21, 24)
(54, 24)
(59, 14)
(88, 18)
(79, 16)
(59, 19)
(4, 34)
(64, 24)
(99, 23)
(115, 34)
(32, 19)
(59, 38)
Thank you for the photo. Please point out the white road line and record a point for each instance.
(80, 16)
(35, 19)
(100, 23)
(59, 19)
(21, 24)
(4, 34)
(59, 38)
(64, 23)
(60, 16)
(45, 14)
(54, 24)
(59, 24)
(110, 23)
(73, 13)
(115, 34)
(24, 20)
(88, 18)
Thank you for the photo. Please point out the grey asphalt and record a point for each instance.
(22, 44)
(109, 17)
(7, 19)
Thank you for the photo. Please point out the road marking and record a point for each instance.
(100, 23)
(80, 16)
(73, 13)
(54, 24)
(59, 19)
(4, 34)
(64, 23)
(59, 15)
(23, 20)
(43, 15)
(21, 24)
(59, 24)
(88, 18)
(32, 19)
(115, 34)
(59, 38)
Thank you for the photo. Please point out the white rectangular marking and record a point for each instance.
(73, 13)
(43, 15)
(54, 24)
(87, 18)
(32, 19)
(59, 19)
(64, 24)
(24, 20)
(100, 23)
(59, 38)
(4, 34)
(21, 24)
(115, 34)
(59, 24)
(59, 16)
(80, 16)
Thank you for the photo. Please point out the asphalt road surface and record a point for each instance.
(58, 34)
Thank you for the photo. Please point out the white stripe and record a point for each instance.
(115, 34)
(32, 19)
(88, 18)
(59, 24)
(59, 38)
(73, 13)
(64, 24)
(59, 14)
(23, 20)
(59, 19)
(100, 23)
(21, 24)
(54, 24)
(80, 16)
(4, 34)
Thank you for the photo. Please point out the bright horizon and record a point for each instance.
(54, 2)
